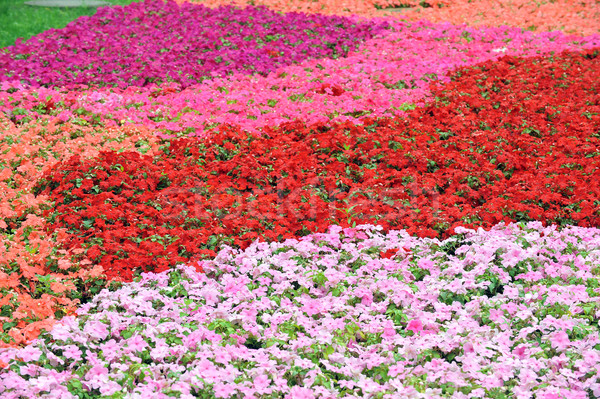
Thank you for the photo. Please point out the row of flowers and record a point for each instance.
(161, 41)
(353, 313)
(512, 140)
(571, 16)
(385, 76)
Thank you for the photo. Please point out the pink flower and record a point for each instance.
(30, 369)
(72, 352)
(560, 340)
(96, 371)
(591, 357)
(300, 393)
(388, 330)
(468, 347)
(61, 332)
(367, 298)
(415, 326)
(30, 353)
(393, 371)
(96, 330)
(211, 295)
(496, 315)
(426, 264)
(109, 388)
(223, 390)
(204, 366)
(312, 307)
(110, 350)
(261, 384)
(136, 343)
(520, 351)
(527, 376)
(549, 395)
(510, 307)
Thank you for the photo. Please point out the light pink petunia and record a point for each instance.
(560, 340)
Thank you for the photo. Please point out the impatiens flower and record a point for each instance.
(110, 388)
(560, 340)
(312, 307)
(300, 393)
(30, 354)
(252, 40)
(96, 372)
(496, 315)
(261, 384)
(110, 350)
(416, 326)
(267, 201)
(224, 390)
(72, 352)
(169, 173)
(136, 343)
(96, 330)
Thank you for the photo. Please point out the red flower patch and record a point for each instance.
(515, 140)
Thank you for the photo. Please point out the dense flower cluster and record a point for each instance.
(161, 41)
(39, 280)
(364, 8)
(512, 312)
(493, 148)
(580, 17)
(152, 136)
(387, 75)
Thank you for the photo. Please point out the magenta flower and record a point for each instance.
(157, 41)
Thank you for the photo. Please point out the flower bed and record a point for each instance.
(581, 17)
(385, 76)
(494, 147)
(569, 16)
(158, 41)
(352, 313)
(39, 282)
(107, 174)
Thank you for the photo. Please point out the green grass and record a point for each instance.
(20, 20)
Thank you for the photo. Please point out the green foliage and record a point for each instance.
(18, 20)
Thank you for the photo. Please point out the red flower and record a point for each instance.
(474, 158)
